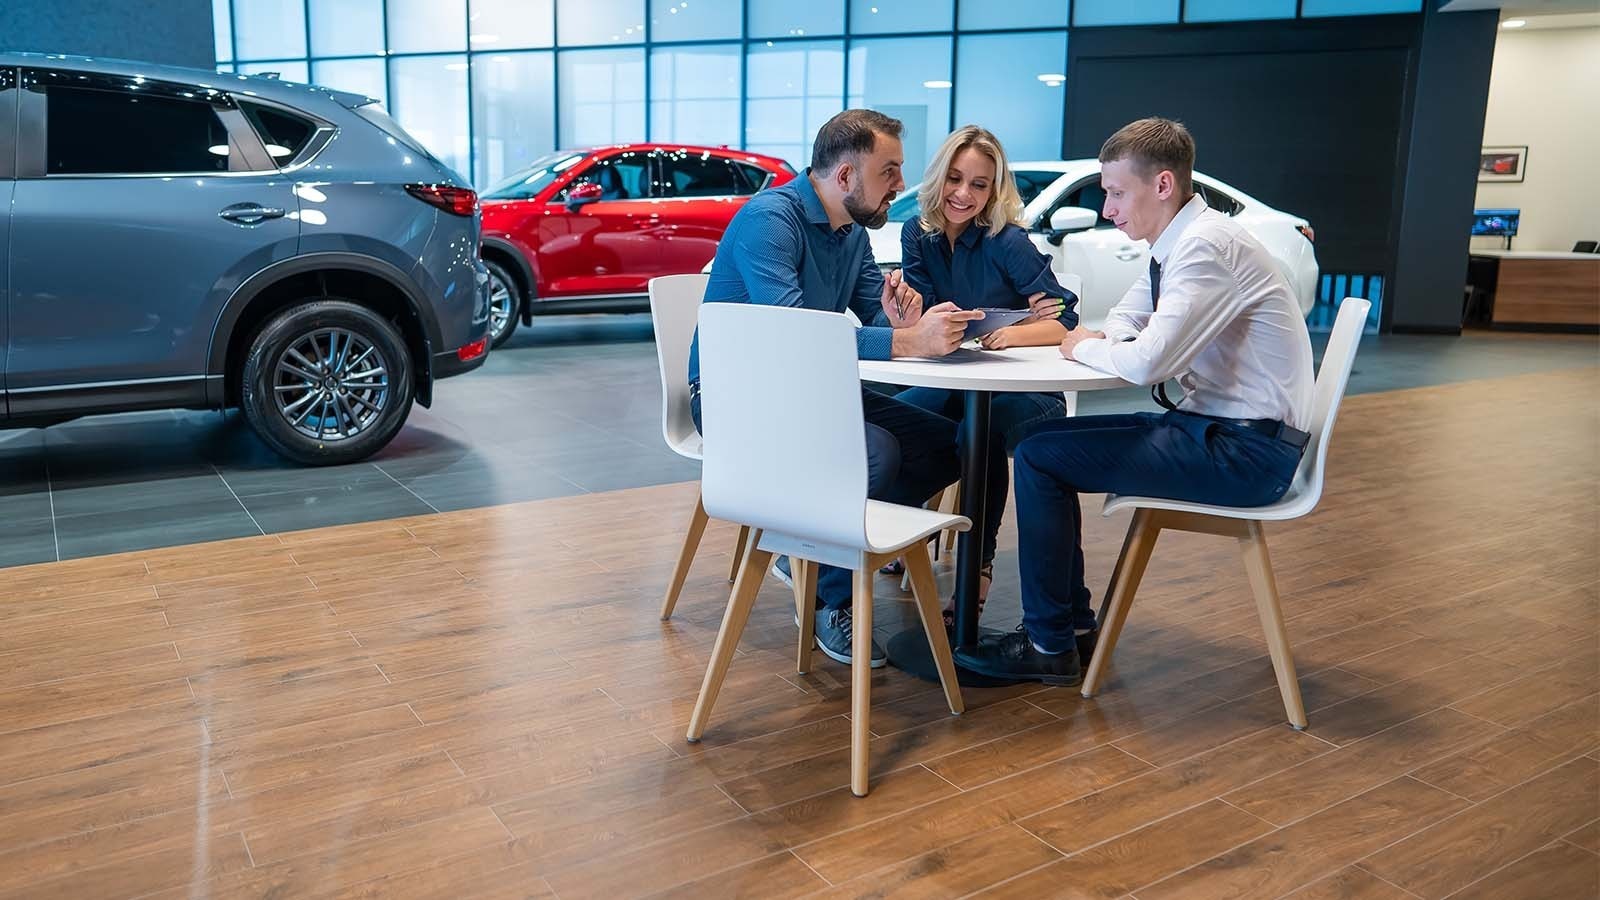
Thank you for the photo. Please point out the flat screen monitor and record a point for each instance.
(1496, 222)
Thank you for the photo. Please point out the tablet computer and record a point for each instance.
(994, 320)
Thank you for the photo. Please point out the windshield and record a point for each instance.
(1029, 184)
(527, 183)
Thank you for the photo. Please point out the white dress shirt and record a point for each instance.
(1226, 325)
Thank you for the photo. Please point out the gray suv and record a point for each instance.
(178, 238)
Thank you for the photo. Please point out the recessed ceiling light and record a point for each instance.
(936, 84)
(1513, 23)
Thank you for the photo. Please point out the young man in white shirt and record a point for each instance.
(1213, 312)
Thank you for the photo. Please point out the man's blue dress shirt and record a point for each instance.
(780, 250)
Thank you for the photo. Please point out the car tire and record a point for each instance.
(327, 382)
(505, 304)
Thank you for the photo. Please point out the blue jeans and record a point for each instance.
(1012, 417)
(1174, 455)
(911, 454)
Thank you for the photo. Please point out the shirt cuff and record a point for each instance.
(1094, 353)
(873, 342)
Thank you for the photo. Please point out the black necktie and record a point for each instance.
(1158, 392)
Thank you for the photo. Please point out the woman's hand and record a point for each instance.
(1000, 339)
(1044, 308)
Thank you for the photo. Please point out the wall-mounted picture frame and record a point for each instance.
(1502, 163)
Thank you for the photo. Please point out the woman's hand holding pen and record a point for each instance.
(901, 302)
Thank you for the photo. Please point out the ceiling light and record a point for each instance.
(937, 85)
(1052, 76)
(218, 149)
(1513, 23)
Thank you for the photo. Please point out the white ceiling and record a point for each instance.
(1562, 13)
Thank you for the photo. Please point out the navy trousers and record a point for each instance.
(911, 454)
(1175, 455)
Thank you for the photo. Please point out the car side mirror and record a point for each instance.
(582, 195)
(1068, 219)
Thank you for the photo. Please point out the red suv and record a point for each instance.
(584, 230)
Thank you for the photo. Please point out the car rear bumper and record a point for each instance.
(446, 365)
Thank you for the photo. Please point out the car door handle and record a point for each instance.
(1128, 254)
(251, 213)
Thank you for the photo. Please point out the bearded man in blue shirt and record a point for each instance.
(804, 245)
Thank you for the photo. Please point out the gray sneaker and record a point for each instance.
(835, 637)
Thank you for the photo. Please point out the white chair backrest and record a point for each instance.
(674, 308)
(785, 442)
(1337, 361)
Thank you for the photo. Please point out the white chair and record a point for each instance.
(1153, 514)
(674, 305)
(785, 451)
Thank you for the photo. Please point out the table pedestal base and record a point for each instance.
(909, 652)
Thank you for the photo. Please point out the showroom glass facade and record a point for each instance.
(490, 84)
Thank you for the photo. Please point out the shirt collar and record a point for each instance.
(970, 236)
(1162, 248)
(816, 213)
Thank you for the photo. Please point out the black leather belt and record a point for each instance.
(1271, 428)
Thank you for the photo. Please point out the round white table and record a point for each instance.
(979, 374)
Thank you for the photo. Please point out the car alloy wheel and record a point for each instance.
(502, 306)
(331, 384)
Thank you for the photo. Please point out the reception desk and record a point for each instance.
(1544, 289)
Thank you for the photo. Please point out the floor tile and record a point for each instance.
(344, 505)
(26, 541)
(147, 527)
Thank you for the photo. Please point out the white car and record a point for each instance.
(1063, 200)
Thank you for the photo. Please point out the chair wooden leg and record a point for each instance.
(739, 548)
(691, 544)
(948, 505)
(1111, 586)
(1141, 541)
(1258, 565)
(804, 573)
(920, 568)
(751, 575)
(861, 678)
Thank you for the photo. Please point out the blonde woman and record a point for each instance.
(968, 247)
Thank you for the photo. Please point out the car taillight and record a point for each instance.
(454, 200)
(473, 350)
(1309, 232)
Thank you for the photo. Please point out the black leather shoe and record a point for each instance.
(1012, 656)
(1086, 644)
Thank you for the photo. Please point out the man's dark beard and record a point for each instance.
(862, 214)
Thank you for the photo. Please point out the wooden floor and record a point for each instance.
(483, 704)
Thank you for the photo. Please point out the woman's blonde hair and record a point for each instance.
(1005, 204)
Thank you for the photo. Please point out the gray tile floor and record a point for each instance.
(569, 406)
